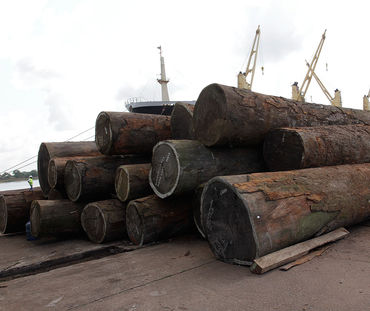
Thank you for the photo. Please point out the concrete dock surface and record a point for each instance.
(183, 274)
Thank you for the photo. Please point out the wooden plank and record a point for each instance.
(291, 253)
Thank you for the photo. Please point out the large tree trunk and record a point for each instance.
(104, 221)
(182, 121)
(127, 133)
(151, 219)
(92, 178)
(132, 181)
(296, 148)
(225, 115)
(55, 217)
(60, 149)
(15, 208)
(179, 166)
(248, 216)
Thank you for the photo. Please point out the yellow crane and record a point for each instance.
(366, 101)
(296, 93)
(245, 79)
(337, 99)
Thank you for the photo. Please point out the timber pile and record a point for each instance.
(207, 166)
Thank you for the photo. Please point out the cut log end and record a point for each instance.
(165, 172)
(93, 222)
(227, 223)
(122, 184)
(103, 133)
(42, 168)
(134, 224)
(283, 150)
(3, 215)
(52, 174)
(72, 181)
(35, 219)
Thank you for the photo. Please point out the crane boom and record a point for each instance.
(337, 99)
(243, 82)
(296, 94)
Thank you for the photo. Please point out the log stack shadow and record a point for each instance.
(253, 173)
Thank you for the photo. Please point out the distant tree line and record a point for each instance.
(17, 174)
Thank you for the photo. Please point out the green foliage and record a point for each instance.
(17, 174)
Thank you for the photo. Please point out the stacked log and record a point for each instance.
(104, 221)
(225, 115)
(51, 150)
(15, 209)
(296, 148)
(131, 181)
(248, 216)
(179, 166)
(92, 178)
(55, 217)
(182, 121)
(152, 219)
(118, 133)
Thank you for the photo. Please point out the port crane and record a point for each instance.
(245, 79)
(367, 102)
(296, 93)
(337, 99)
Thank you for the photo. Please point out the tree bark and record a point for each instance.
(151, 219)
(92, 178)
(104, 221)
(60, 149)
(225, 115)
(128, 133)
(296, 148)
(15, 209)
(249, 216)
(55, 217)
(132, 181)
(179, 166)
(182, 121)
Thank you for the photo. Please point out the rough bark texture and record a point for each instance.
(182, 121)
(60, 149)
(225, 115)
(249, 216)
(92, 178)
(179, 166)
(128, 133)
(296, 148)
(132, 181)
(151, 219)
(104, 221)
(55, 217)
(15, 208)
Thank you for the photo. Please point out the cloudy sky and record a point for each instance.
(62, 62)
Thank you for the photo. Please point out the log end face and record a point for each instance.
(209, 114)
(52, 174)
(35, 219)
(93, 223)
(165, 171)
(227, 223)
(3, 214)
(283, 150)
(134, 224)
(43, 159)
(122, 184)
(72, 181)
(103, 133)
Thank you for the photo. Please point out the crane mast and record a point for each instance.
(163, 80)
(366, 101)
(296, 93)
(337, 99)
(245, 79)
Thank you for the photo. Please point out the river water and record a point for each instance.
(20, 184)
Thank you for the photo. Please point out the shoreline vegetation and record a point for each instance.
(17, 175)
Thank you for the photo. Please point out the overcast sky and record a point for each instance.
(62, 62)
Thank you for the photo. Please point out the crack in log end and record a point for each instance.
(227, 224)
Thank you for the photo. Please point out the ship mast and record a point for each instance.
(163, 81)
